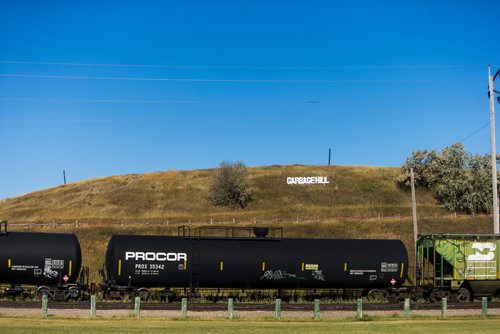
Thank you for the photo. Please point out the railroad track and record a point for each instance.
(200, 307)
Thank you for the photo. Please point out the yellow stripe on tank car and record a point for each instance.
(345, 266)
(263, 266)
(302, 266)
(8, 263)
(119, 267)
(70, 267)
(185, 264)
(402, 269)
(221, 265)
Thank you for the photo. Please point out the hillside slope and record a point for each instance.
(181, 196)
(359, 202)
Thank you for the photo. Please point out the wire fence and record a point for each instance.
(211, 221)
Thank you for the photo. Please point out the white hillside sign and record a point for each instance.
(307, 180)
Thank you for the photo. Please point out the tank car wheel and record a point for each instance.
(40, 291)
(376, 295)
(394, 298)
(403, 295)
(73, 293)
(463, 295)
(143, 294)
(114, 295)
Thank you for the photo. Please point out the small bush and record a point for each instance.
(229, 185)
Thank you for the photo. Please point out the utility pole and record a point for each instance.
(491, 93)
(414, 212)
(64, 176)
(329, 155)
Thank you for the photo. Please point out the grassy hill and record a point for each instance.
(181, 196)
(359, 202)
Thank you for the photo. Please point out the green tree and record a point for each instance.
(460, 181)
(479, 196)
(452, 181)
(424, 164)
(230, 186)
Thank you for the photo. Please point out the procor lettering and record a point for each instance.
(156, 256)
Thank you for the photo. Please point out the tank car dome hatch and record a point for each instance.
(261, 232)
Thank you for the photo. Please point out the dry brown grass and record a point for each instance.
(181, 196)
(359, 202)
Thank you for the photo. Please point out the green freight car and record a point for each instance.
(459, 267)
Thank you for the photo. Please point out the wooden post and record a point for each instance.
(407, 311)
(278, 309)
(317, 314)
(230, 307)
(137, 307)
(415, 224)
(184, 308)
(45, 305)
(92, 306)
(484, 307)
(359, 313)
(491, 93)
(444, 306)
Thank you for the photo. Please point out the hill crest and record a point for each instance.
(178, 195)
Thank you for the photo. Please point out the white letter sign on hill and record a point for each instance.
(307, 180)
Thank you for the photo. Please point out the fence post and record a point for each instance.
(278, 308)
(359, 313)
(92, 306)
(444, 306)
(317, 314)
(484, 307)
(407, 311)
(230, 306)
(45, 305)
(137, 307)
(184, 308)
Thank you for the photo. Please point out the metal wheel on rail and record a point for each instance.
(396, 297)
(143, 294)
(463, 295)
(438, 294)
(42, 290)
(73, 293)
(376, 295)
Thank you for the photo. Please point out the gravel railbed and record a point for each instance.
(211, 310)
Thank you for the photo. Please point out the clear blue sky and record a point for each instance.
(270, 82)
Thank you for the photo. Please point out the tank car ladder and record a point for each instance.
(194, 283)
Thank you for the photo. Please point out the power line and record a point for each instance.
(243, 66)
(221, 118)
(310, 101)
(473, 133)
(230, 80)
